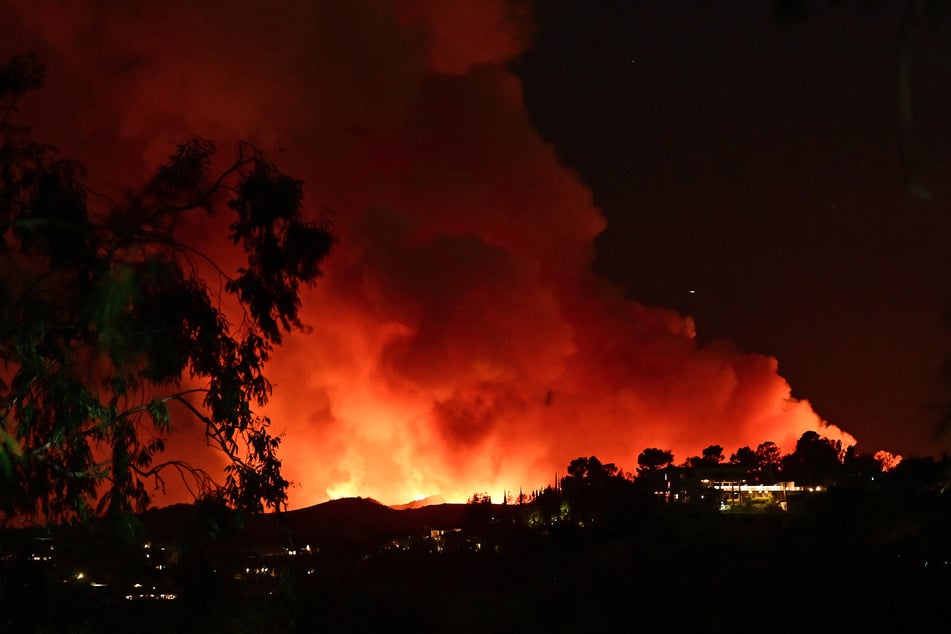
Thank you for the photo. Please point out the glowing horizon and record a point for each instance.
(459, 340)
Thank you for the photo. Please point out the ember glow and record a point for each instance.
(459, 341)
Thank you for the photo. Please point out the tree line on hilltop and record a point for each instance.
(816, 463)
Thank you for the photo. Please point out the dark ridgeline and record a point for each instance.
(867, 551)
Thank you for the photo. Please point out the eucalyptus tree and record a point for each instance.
(113, 320)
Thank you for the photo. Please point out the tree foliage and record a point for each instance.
(745, 457)
(597, 491)
(711, 456)
(591, 471)
(816, 461)
(110, 317)
(653, 458)
(479, 497)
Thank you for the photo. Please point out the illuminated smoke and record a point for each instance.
(459, 341)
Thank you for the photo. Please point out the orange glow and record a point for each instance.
(888, 460)
(459, 341)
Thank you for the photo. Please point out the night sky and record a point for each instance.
(757, 162)
(599, 228)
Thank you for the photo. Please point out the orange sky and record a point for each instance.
(459, 340)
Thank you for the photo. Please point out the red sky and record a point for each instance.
(461, 338)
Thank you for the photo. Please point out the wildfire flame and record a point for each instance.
(459, 341)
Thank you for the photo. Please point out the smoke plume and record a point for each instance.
(459, 340)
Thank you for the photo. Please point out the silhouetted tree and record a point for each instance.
(480, 497)
(710, 457)
(596, 490)
(652, 459)
(107, 317)
(816, 461)
(591, 470)
(859, 468)
(548, 503)
(713, 454)
(922, 474)
(769, 463)
(654, 471)
(746, 458)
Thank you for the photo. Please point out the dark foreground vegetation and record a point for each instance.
(854, 545)
(860, 556)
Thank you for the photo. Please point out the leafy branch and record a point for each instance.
(100, 310)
